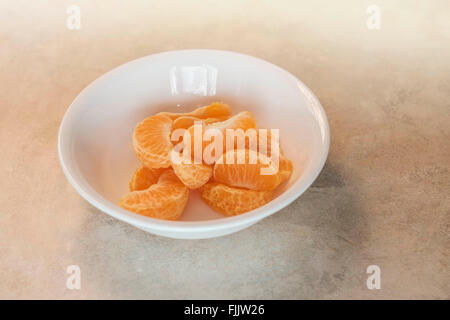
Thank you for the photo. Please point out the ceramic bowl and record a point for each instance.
(94, 142)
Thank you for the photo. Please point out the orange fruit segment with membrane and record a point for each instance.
(265, 139)
(285, 168)
(144, 177)
(151, 141)
(232, 201)
(252, 138)
(252, 170)
(185, 122)
(243, 120)
(218, 110)
(165, 199)
(192, 175)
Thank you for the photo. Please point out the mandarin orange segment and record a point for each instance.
(165, 199)
(285, 169)
(191, 174)
(260, 140)
(144, 177)
(185, 122)
(218, 110)
(265, 143)
(243, 120)
(233, 201)
(151, 141)
(244, 168)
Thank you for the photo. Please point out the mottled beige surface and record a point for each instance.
(382, 198)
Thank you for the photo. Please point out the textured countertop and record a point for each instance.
(382, 198)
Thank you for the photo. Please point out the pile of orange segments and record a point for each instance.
(235, 178)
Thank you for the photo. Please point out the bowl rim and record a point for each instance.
(98, 201)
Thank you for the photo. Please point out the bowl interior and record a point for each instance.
(96, 132)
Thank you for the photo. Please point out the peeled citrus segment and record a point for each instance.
(185, 122)
(285, 168)
(233, 201)
(192, 175)
(151, 141)
(143, 178)
(248, 169)
(214, 110)
(264, 142)
(165, 199)
(261, 140)
(243, 120)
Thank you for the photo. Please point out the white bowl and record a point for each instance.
(94, 140)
